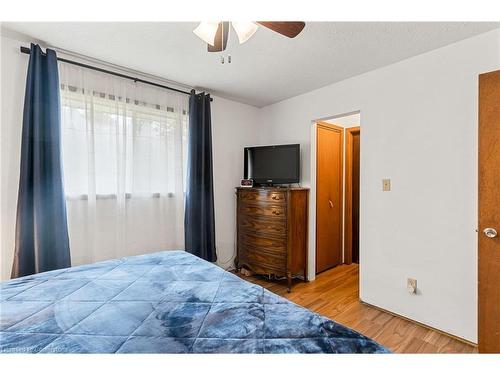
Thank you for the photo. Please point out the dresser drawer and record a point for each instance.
(266, 211)
(261, 195)
(262, 261)
(259, 242)
(276, 228)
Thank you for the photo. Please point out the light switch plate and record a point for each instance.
(386, 184)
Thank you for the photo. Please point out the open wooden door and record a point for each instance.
(329, 161)
(351, 220)
(489, 212)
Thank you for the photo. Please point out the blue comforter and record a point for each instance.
(167, 302)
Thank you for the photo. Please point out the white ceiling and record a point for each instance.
(266, 69)
(346, 121)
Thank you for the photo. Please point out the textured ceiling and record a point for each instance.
(266, 69)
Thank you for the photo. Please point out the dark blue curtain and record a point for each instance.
(42, 242)
(199, 220)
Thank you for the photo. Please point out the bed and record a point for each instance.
(166, 302)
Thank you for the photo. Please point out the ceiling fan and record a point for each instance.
(215, 34)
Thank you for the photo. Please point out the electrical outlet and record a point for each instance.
(386, 184)
(411, 285)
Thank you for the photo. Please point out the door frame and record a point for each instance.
(309, 150)
(349, 134)
(329, 126)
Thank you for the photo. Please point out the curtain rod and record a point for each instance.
(135, 79)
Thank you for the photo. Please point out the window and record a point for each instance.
(113, 145)
(124, 159)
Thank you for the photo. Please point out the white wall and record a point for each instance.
(419, 128)
(233, 124)
(234, 127)
(14, 66)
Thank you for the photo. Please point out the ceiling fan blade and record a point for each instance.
(289, 29)
(220, 42)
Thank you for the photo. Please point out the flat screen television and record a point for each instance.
(271, 165)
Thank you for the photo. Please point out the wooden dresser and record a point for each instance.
(272, 231)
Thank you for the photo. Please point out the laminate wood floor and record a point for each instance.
(334, 294)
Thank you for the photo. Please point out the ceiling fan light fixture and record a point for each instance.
(244, 30)
(206, 31)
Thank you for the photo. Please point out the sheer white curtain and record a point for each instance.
(124, 155)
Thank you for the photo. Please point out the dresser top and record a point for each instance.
(271, 188)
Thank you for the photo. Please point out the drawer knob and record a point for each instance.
(276, 212)
(276, 197)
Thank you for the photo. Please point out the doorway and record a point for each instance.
(329, 163)
(337, 191)
(489, 213)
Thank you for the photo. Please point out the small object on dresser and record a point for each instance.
(246, 183)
